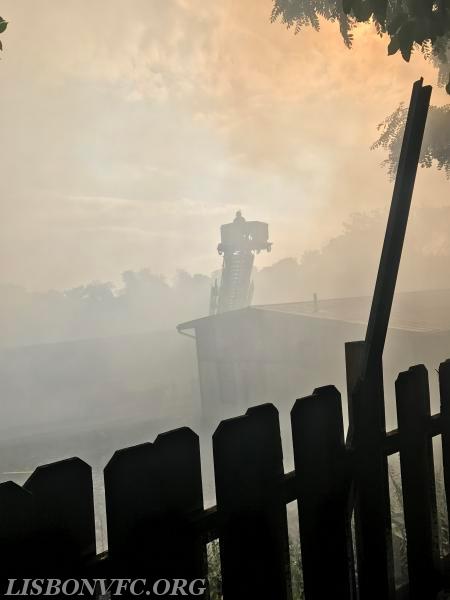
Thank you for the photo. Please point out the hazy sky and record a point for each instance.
(130, 130)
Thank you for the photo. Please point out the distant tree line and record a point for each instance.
(143, 302)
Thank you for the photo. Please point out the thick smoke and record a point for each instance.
(345, 266)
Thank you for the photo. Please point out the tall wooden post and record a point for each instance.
(366, 398)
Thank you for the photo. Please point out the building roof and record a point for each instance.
(420, 311)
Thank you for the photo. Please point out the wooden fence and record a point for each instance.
(158, 527)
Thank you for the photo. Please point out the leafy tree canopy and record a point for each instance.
(411, 25)
(436, 142)
(3, 26)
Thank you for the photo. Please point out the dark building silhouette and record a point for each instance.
(276, 353)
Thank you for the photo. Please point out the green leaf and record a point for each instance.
(347, 6)
(380, 11)
(362, 10)
(406, 52)
(405, 38)
(447, 87)
(1, 45)
(3, 25)
(394, 46)
(396, 22)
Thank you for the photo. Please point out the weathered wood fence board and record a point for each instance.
(371, 488)
(322, 484)
(152, 493)
(17, 530)
(254, 546)
(418, 482)
(64, 504)
(444, 389)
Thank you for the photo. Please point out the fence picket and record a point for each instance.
(64, 501)
(418, 481)
(444, 388)
(19, 543)
(373, 530)
(322, 488)
(254, 544)
(152, 492)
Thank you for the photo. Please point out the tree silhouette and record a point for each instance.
(420, 25)
(436, 142)
(3, 26)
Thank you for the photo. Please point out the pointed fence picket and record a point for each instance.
(152, 492)
(64, 504)
(418, 482)
(254, 545)
(322, 484)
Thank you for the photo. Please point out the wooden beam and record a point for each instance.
(396, 226)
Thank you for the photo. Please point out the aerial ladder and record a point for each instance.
(240, 240)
